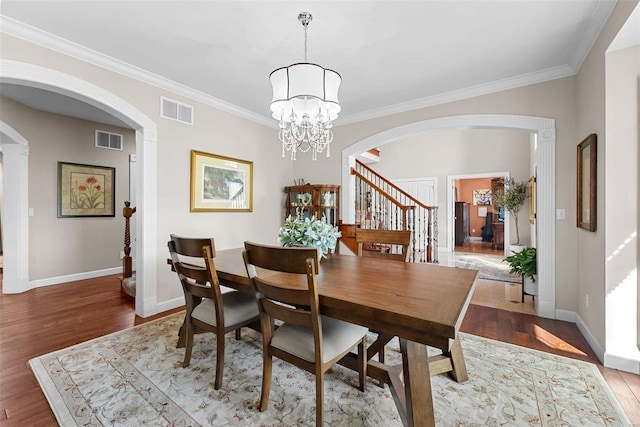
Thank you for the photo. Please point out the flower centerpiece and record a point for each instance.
(309, 232)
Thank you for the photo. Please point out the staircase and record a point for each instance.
(383, 205)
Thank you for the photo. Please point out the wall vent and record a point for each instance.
(109, 140)
(175, 110)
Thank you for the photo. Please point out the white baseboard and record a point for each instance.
(566, 315)
(591, 339)
(621, 363)
(573, 317)
(475, 239)
(170, 304)
(74, 277)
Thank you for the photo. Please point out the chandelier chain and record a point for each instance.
(305, 43)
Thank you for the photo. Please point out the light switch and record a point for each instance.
(31, 212)
(560, 214)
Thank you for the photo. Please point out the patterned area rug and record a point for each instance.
(491, 267)
(134, 377)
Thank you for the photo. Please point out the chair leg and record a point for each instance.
(362, 363)
(266, 380)
(319, 398)
(219, 359)
(188, 333)
(238, 336)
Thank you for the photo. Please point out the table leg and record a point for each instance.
(418, 401)
(459, 371)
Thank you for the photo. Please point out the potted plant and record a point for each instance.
(512, 198)
(525, 264)
(307, 232)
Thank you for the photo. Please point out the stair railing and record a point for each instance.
(382, 204)
(127, 212)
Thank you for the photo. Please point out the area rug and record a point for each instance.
(135, 377)
(490, 266)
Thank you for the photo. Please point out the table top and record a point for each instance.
(415, 301)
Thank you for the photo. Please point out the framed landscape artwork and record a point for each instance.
(220, 183)
(586, 179)
(86, 190)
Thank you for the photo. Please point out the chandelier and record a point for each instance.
(305, 102)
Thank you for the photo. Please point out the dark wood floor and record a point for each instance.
(50, 318)
(478, 248)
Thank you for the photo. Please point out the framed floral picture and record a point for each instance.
(220, 183)
(86, 190)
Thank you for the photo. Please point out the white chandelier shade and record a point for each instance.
(305, 88)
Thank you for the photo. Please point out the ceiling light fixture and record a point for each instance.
(305, 102)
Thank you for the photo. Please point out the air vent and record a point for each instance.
(109, 140)
(176, 110)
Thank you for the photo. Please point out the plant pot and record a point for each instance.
(530, 285)
(515, 248)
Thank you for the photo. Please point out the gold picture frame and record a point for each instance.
(220, 184)
(532, 200)
(86, 190)
(587, 183)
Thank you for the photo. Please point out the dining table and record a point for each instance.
(421, 304)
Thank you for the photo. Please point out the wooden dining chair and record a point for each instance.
(208, 309)
(305, 339)
(389, 244)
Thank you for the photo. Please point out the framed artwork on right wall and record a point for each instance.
(586, 183)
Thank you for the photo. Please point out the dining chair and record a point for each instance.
(387, 244)
(305, 338)
(208, 309)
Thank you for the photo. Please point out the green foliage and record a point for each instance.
(512, 198)
(298, 231)
(523, 262)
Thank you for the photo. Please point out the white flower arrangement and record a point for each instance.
(309, 232)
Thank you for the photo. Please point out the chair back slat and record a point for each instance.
(271, 258)
(286, 313)
(294, 293)
(192, 247)
(382, 243)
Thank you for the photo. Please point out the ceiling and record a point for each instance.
(393, 56)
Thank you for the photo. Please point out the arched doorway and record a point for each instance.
(545, 134)
(15, 230)
(15, 72)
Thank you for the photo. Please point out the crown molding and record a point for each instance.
(457, 95)
(601, 13)
(42, 38)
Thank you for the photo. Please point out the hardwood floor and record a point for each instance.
(478, 247)
(50, 318)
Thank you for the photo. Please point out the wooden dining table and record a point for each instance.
(421, 304)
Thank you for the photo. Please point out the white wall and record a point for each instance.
(622, 198)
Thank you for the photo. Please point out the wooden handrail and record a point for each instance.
(391, 184)
(127, 212)
(380, 191)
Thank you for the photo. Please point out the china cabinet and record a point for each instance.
(314, 200)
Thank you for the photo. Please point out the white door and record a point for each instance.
(423, 189)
